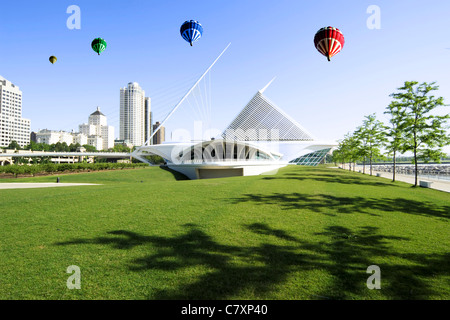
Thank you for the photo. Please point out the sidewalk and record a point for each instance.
(435, 184)
(23, 185)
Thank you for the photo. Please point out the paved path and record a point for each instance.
(435, 184)
(23, 185)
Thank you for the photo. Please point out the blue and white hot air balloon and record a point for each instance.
(191, 31)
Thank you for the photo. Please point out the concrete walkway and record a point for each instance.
(441, 185)
(20, 185)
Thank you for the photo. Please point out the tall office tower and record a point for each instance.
(12, 126)
(97, 127)
(160, 136)
(151, 127)
(148, 119)
(132, 114)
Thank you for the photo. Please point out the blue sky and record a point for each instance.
(268, 38)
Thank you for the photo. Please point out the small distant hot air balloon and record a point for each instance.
(191, 31)
(329, 41)
(98, 45)
(52, 59)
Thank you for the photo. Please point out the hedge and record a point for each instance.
(17, 170)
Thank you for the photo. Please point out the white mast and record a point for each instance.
(185, 96)
(267, 85)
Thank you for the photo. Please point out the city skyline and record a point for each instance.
(268, 39)
(96, 132)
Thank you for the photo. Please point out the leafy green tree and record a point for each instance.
(353, 149)
(336, 156)
(73, 147)
(395, 132)
(425, 133)
(61, 147)
(14, 145)
(121, 148)
(346, 151)
(372, 137)
(41, 147)
(89, 148)
(349, 148)
(31, 146)
(339, 155)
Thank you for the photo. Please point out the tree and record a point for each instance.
(351, 149)
(339, 155)
(395, 132)
(371, 135)
(14, 145)
(31, 146)
(336, 156)
(61, 147)
(121, 148)
(74, 146)
(346, 151)
(89, 148)
(425, 133)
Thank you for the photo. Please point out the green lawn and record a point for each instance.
(305, 233)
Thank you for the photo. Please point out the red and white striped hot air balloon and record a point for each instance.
(329, 41)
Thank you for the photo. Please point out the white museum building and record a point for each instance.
(260, 140)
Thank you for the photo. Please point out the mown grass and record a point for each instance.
(305, 233)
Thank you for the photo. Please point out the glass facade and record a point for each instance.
(262, 120)
(311, 159)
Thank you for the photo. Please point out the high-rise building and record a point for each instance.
(135, 122)
(33, 136)
(160, 136)
(97, 128)
(151, 128)
(148, 119)
(12, 126)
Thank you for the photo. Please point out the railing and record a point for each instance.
(432, 172)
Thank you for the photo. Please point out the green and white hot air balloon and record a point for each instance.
(98, 45)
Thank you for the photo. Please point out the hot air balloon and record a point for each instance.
(329, 41)
(191, 31)
(52, 59)
(98, 45)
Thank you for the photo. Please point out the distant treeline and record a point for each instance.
(63, 147)
(49, 168)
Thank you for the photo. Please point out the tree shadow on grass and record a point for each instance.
(333, 205)
(332, 178)
(227, 271)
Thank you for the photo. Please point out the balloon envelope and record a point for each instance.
(98, 45)
(329, 41)
(52, 59)
(191, 31)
